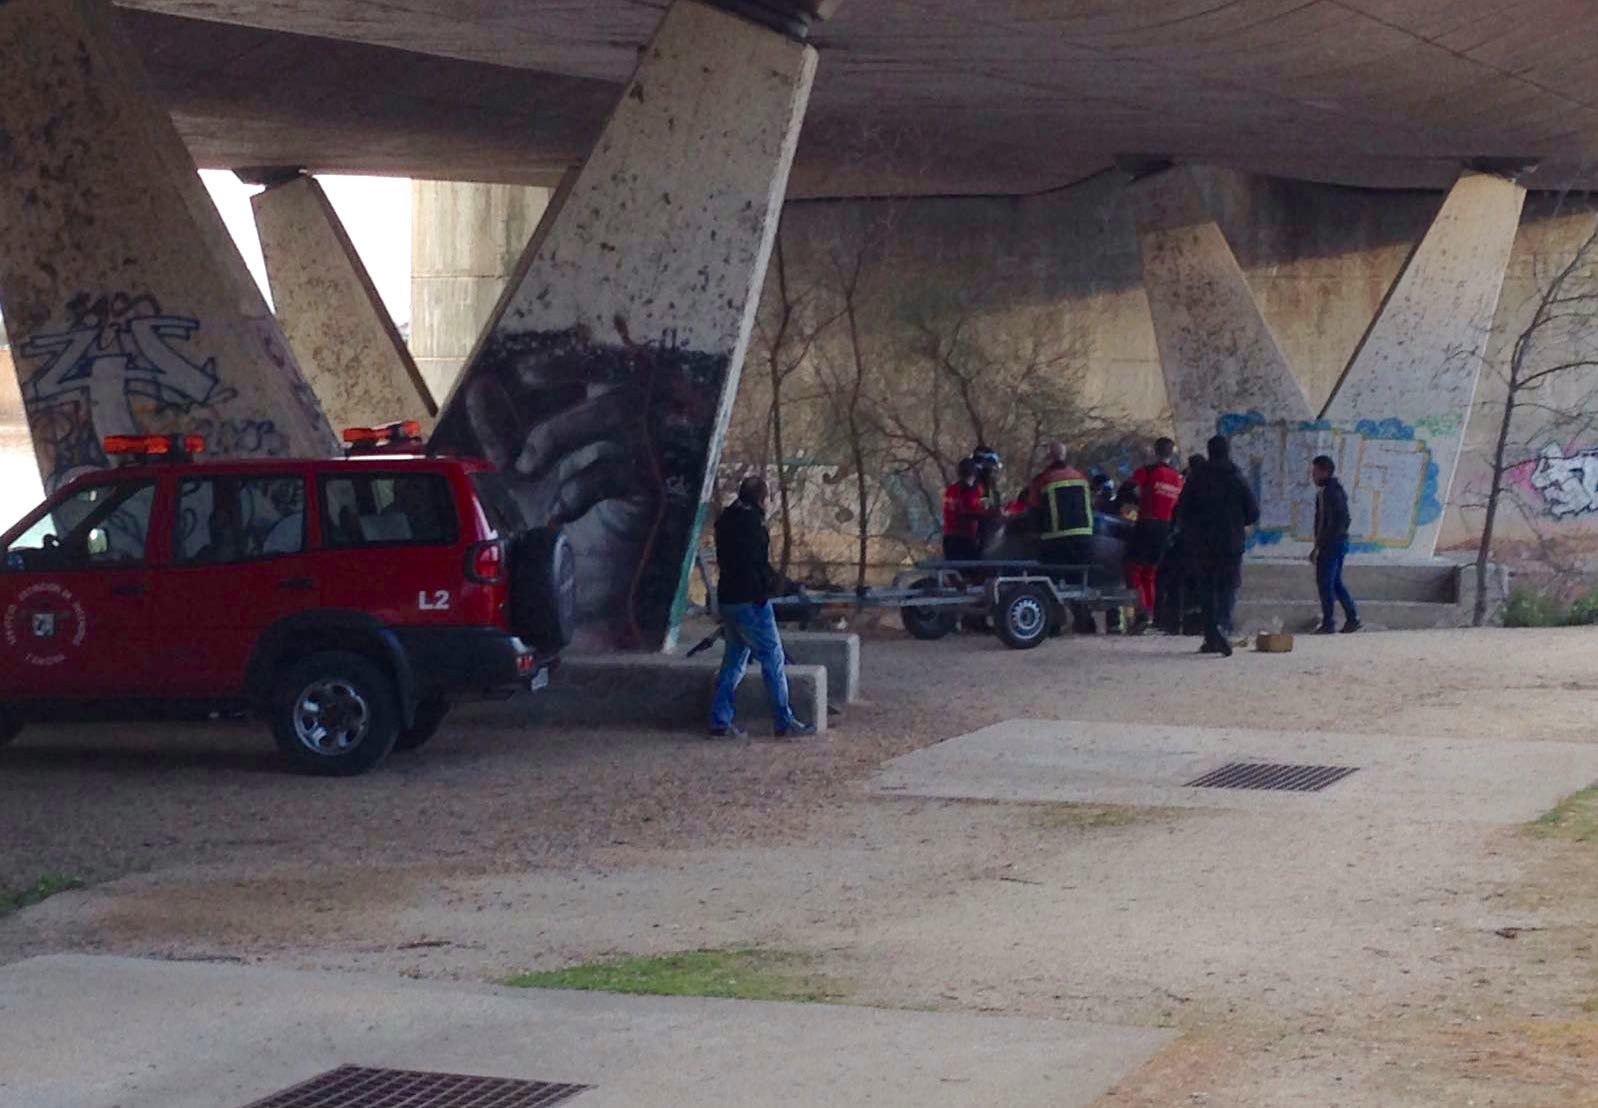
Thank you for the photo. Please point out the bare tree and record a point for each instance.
(788, 334)
(1549, 350)
(845, 380)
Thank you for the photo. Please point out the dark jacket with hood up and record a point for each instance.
(1216, 509)
(743, 556)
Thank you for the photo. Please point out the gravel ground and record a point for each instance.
(1326, 963)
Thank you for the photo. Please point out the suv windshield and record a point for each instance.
(499, 504)
(104, 524)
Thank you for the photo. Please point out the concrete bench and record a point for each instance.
(837, 651)
(657, 690)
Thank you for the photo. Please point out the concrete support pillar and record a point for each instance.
(328, 307)
(1413, 378)
(19, 475)
(604, 385)
(466, 240)
(1218, 353)
(129, 307)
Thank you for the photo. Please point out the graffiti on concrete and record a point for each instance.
(610, 441)
(1567, 481)
(1386, 467)
(113, 368)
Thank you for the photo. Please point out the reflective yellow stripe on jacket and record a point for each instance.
(1068, 508)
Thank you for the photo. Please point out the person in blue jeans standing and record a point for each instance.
(744, 587)
(1331, 546)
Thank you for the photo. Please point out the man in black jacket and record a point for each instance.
(1216, 509)
(743, 599)
(1331, 546)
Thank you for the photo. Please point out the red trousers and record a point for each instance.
(1142, 578)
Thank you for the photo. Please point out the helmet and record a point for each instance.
(986, 458)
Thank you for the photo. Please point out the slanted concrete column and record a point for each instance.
(466, 241)
(605, 384)
(1413, 379)
(19, 474)
(1218, 353)
(129, 307)
(336, 323)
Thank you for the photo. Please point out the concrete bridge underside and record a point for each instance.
(945, 96)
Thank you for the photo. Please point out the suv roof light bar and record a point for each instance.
(170, 448)
(403, 432)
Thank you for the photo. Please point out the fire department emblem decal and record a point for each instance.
(45, 624)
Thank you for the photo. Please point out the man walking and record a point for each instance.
(1215, 511)
(746, 582)
(1159, 487)
(1331, 546)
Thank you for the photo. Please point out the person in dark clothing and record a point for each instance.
(1331, 546)
(743, 597)
(1215, 511)
(1061, 500)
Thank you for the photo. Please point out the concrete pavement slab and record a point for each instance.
(1469, 780)
(100, 1032)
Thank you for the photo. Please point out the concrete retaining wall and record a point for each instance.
(659, 691)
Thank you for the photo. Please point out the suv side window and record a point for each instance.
(222, 520)
(387, 509)
(102, 525)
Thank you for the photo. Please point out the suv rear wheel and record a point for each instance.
(430, 715)
(10, 726)
(543, 589)
(335, 713)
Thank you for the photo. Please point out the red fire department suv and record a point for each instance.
(348, 601)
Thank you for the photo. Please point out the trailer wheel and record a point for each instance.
(927, 624)
(1024, 616)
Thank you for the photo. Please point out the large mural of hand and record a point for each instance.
(609, 441)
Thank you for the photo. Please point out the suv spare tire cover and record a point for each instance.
(543, 588)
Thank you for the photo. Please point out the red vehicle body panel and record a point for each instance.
(164, 629)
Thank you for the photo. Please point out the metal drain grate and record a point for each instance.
(1270, 775)
(360, 1087)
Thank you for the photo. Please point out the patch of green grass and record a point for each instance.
(43, 889)
(1528, 608)
(1087, 817)
(1574, 818)
(728, 974)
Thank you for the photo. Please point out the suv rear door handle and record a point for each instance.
(296, 584)
(127, 590)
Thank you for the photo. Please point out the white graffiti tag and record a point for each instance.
(1568, 483)
(1385, 479)
(115, 350)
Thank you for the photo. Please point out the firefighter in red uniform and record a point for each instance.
(965, 508)
(1159, 486)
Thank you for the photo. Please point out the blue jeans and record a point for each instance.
(1329, 579)
(750, 629)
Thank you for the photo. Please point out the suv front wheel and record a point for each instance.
(335, 713)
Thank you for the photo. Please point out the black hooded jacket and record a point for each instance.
(1216, 509)
(743, 556)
